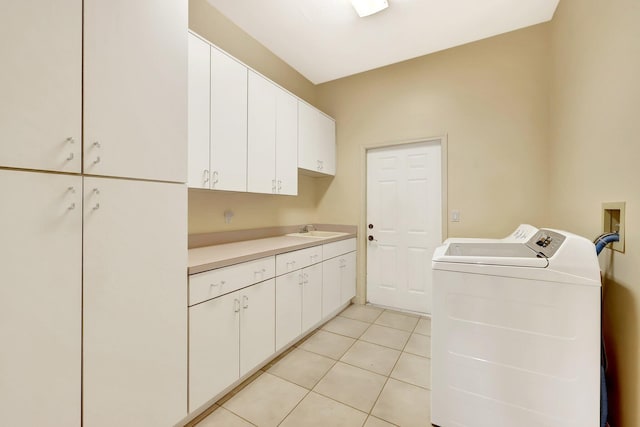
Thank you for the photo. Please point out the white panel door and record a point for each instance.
(311, 296)
(257, 324)
(135, 89)
(288, 307)
(404, 206)
(135, 302)
(330, 286)
(286, 143)
(214, 347)
(228, 123)
(261, 136)
(40, 299)
(199, 115)
(41, 84)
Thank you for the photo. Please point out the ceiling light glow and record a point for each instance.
(369, 7)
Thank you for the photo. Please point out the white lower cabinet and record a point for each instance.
(40, 299)
(338, 275)
(298, 303)
(228, 337)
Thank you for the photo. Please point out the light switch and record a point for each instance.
(455, 215)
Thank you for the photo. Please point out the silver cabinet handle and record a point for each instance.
(97, 160)
(70, 157)
(71, 190)
(279, 185)
(300, 279)
(96, 207)
(205, 176)
(306, 278)
(236, 305)
(245, 301)
(70, 140)
(71, 207)
(273, 185)
(215, 177)
(96, 144)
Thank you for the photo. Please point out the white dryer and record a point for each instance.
(516, 333)
(520, 234)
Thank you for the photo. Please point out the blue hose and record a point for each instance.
(601, 242)
(604, 239)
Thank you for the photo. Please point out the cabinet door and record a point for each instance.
(228, 123)
(135, 89)
(135, 302)
(347, 277)
(257, 324)
(41, 84)
(312, 297)
(199, 115)
(330, 286)
(288, 307)
(308, 130)
(214, 347)
(261, 159)
(286, 143)
(327, 144)
(40, 299)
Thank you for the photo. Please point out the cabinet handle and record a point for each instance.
(96, 191)
(96, 144)
(71, 207)
(300, 279)
(70, 140)
(96, 207)
(70, 157)
(97, 160)
(273, 185)
(71, 190)
(306, 278)
(245, 301)
(205, 176)
(236, 305)
(279, 185)
(215, 177)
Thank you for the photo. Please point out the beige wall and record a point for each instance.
(206, 208)
(595, 155)
(490, 99)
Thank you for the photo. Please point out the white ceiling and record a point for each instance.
(326, 40)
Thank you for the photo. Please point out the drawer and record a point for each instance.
(296, 260)
(332, 250)
(211, 284)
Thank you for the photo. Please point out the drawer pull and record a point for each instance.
(300, 279)
(236, 305)
(245, 301)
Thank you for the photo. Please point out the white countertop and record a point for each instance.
(216, 256)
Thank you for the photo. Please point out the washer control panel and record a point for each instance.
(546, 242)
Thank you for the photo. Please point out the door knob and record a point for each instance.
(370, 226)
(371, 239)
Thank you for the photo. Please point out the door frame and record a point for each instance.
(361, 296)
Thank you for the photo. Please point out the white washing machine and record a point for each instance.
(516, 333)
(521, 234)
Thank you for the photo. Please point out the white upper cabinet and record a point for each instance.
(135, 88)
(286, 143)
(41, 85)
(261, 166)
(272, 138)
(199, 112)
(316, 141)
(228, 123)
(40, 299)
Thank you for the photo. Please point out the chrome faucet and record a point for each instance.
(307, 228)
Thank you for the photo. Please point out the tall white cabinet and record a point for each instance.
(135, 333)
(41, 86)
(135, 97)
(93, 291)
(40, 298)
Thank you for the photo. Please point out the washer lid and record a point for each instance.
(511, 254)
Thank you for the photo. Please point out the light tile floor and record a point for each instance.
(367, 367)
